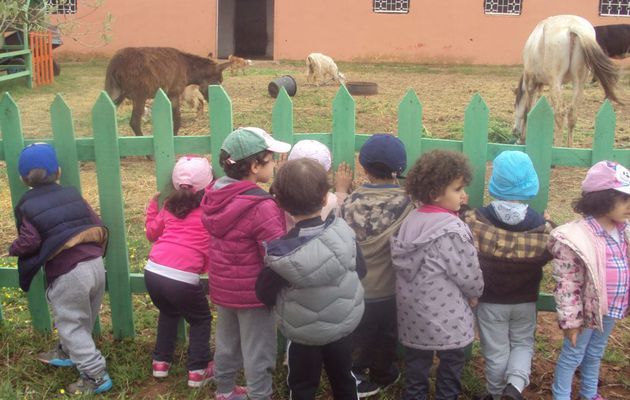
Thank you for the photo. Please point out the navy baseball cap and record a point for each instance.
(385, 149)
(38, 155)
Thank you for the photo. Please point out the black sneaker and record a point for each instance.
(367, 389)
(511, 393)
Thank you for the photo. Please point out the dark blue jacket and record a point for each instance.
(59, 213)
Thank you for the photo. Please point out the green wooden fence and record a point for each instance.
(106, 148)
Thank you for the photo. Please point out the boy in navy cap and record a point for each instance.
(375, 211)
(511, 240)
(57, 229)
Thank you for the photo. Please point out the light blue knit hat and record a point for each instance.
(513, 177)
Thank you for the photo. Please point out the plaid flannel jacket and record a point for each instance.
(511, 261)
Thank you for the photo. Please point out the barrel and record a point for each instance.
(285, 81)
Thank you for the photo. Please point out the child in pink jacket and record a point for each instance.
(590, 267)
(178, 256)
(241, 217)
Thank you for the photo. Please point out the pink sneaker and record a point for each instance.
(200, 377)
(160, 368)
(239, 393)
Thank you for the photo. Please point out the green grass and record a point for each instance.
(444, 92)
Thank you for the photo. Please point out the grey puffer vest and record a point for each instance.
(324, 300)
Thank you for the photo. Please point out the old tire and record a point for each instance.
(362, 88)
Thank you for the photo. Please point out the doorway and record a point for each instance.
(245, 28)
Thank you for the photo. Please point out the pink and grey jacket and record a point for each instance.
(240, 217)
(181, 244)
(579, 269)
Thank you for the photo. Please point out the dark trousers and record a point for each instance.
(175, 300)
(305, 368)
(375, 341)
(447, 384)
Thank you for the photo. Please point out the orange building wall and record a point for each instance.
(449, 31)
(188, 25)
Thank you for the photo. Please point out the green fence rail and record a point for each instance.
(106, 148)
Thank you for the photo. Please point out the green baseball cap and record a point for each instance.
(244, 142)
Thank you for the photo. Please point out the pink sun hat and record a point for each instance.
(193, 171)
(607, 175)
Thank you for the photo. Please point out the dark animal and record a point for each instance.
(614, 40)
(136, 73)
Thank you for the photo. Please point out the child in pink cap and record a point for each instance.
(178, 256)
(590, 267)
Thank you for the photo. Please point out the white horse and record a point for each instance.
(561, 49)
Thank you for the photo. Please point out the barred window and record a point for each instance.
(502, 7)
(614, 8)
(390, 6)
(62, 6)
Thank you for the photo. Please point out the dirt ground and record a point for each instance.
(444, 92)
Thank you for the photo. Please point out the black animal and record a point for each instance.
(614, 40)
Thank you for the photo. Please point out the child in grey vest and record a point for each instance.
(312, 278)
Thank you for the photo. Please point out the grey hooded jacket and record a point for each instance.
(437, 272)
(324, 300)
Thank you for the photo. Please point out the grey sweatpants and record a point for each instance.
(75, 299)
(507, 343)
(245, 337)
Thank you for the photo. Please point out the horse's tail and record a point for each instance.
(112, 87)
(603, 68)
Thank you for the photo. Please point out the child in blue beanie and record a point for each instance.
(59, 231)
(511, 240)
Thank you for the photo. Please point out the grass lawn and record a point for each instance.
(444, 92)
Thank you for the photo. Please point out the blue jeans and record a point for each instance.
(587, 354)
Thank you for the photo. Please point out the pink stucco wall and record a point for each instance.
(453, 31)
(189, 25)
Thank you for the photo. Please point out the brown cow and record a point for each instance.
(137, 73)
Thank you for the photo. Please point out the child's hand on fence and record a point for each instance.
(571, 335)
(282, 158)
(546, 215)
(473, 301)
(343, 178)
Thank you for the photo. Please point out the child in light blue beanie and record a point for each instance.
(511, 240)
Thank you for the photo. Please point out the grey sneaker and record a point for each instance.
(56, 357)
(87, 385)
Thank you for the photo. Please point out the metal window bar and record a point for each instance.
(62, 6)
(615, 8)
(502, 7)
(390, 6)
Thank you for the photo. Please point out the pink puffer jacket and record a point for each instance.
(240, 217)
(179, 243)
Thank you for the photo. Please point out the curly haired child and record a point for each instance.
(177, 258)
(590, 267)
(438, 277)
(240, 217)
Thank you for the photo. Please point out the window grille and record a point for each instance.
(614, 8)
(391, 6)
(502, 7)
(62, 6)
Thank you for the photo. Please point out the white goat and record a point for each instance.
(318, 66)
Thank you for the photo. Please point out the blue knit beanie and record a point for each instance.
(513, 177)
